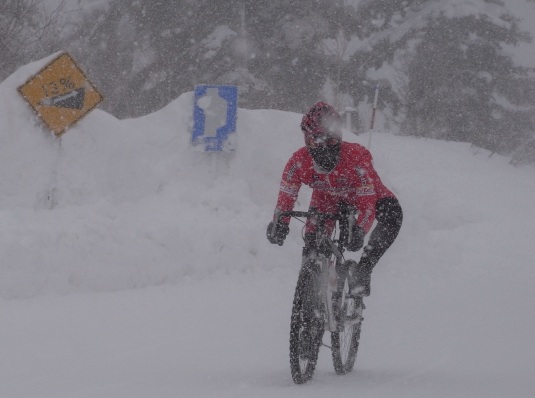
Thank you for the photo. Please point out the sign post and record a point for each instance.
(376, 97)
(214, 117)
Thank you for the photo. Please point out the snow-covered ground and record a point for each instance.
(133, 266)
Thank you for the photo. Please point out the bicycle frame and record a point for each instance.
(322, 302)
(321, 254)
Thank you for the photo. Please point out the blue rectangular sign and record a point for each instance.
(214, 117)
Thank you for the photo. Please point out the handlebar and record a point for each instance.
(307, 214)
(349, 217)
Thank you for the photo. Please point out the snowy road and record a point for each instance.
(229, 338)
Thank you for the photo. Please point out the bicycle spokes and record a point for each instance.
(345, 340)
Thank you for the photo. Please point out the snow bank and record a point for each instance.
(122, 204)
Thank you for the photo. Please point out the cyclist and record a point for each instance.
(341, 176)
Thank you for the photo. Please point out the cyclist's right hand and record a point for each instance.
(277, 231)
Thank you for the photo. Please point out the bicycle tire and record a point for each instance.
(345, 341)
(306, 327)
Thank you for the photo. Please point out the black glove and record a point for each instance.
(276, 232)
(357, 239)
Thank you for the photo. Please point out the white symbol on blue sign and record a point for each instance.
(214, 117)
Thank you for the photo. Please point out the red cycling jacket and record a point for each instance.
(353, 181)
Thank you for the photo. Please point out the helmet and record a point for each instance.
(321, 118)
(321, 126)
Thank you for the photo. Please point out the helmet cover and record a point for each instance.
(321, 127)
(321, 119)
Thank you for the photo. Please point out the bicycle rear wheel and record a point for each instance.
(345, 341)
(306, 326)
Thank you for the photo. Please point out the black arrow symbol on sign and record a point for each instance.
(74, 100)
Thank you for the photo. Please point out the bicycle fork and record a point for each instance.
(329, 281)
(328, 292)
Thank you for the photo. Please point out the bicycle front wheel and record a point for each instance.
(345, 341)
(306, 326)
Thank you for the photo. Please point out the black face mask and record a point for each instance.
(327, 156)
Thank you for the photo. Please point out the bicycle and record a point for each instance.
(322, 302)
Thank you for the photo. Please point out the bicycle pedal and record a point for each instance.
(340, 327)
(354, 318)
(354, 322)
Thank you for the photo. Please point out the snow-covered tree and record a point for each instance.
(452, 74)
(27, 31)
(464, 86)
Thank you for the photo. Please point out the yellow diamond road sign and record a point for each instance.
(60, 94)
